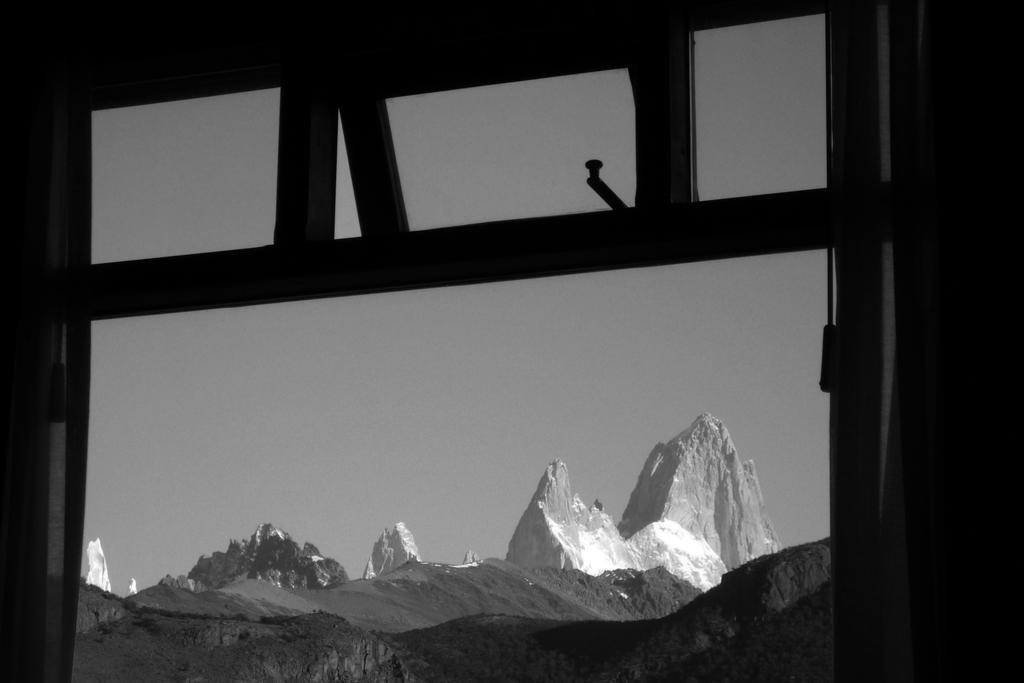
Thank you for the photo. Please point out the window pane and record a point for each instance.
(514, 150)
(759, 99)
(184, 177)
(450, 399)
(346, 219)
(442, 408)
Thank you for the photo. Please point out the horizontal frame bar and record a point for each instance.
(415, 70)
(143, 74)
(708, 14)
(486, 252)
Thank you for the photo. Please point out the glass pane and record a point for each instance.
(759, 99)
(441, 408)
(184, 177)
(346, 219)
(335, 419)
(514, 150)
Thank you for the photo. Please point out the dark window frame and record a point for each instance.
(305, 261)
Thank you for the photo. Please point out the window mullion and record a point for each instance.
(307, 153)
(371, 157)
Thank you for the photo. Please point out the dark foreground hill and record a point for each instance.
(769, 620)
(148, 646)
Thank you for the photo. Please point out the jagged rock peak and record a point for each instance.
(554, 479)
(471, 558)
(704, 426)
(133, 587)
(698, 481)
(97, 575)
(393, 548)
(271, 555)
(265, 531)
(557, 529)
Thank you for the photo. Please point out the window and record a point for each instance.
(553, 243)
(441, 408)
(450, 373)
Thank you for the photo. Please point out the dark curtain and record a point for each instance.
(886, 436)
(45, 366)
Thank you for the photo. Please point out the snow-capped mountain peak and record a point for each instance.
(97, 575)
(394, 547)
(698, 481)
(696, 509)
(559, 530)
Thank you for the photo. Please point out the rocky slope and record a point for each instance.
(621, 594)
(150, 646)
(269, 555)
(96, 607)
(698, 481)
(393, 548)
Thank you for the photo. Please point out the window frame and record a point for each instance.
(306, 261)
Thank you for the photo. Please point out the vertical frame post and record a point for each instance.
(307, 151)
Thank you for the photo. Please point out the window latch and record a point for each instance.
(606, 193)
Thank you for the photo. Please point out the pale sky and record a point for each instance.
(440, 408)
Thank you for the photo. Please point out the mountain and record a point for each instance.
(269, 555)
(470, 557)
(557, 529)
(698, 481)
(393, 548)
(97, 575)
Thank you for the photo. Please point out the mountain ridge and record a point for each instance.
(269, 555)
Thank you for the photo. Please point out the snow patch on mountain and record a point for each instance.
(97, 575)
(666, 544)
